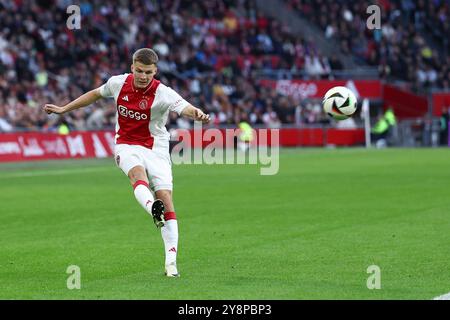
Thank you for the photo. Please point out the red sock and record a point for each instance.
(170, 216)
(139, 182)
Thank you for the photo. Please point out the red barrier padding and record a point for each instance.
(99, 144)
(440, 101)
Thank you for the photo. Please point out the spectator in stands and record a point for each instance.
(444, 126)
(270, 118)
(5, 126)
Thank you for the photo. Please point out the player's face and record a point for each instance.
(143, 74)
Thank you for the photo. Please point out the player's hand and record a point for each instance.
(201, 116)
(51, 108)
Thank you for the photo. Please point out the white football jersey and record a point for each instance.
(141, 114)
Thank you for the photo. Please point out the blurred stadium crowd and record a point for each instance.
(400, 48)
(211, 52)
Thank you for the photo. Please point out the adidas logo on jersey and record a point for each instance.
(125, 98)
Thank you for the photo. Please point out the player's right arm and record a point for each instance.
(82, 101)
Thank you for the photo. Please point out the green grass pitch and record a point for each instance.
(309, 232)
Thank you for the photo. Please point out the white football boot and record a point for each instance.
(171, 270)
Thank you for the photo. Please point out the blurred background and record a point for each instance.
(267, 63)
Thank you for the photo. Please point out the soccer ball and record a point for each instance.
(339, 103)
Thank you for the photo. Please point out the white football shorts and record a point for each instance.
(156, 162)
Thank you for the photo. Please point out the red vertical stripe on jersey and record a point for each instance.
(134, 113)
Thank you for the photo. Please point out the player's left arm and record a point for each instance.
(195, 113)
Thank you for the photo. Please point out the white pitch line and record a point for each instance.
(443, 297)
(55, 172)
